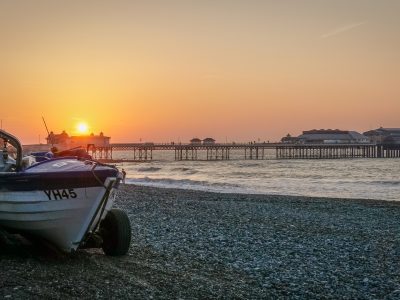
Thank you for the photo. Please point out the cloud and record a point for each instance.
(342, 29)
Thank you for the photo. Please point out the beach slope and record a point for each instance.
(191, 244)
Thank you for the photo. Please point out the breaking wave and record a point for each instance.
(386, 182)
(149, 169)
(181, 169)
(201, 185)
(187, 171)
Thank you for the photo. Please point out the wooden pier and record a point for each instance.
(318, 151)
(250, 151)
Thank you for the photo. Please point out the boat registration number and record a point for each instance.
(60, 194)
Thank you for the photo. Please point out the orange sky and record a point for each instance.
(171, 70)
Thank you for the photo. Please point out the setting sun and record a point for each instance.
(82, 128)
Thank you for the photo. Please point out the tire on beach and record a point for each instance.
(115, 231)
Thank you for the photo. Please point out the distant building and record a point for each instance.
(208, 141)
(61, 139)
(383, 135)
(289, 139)
(393, 140)
(195, 141)
(64, 141)
(96, 140)
(332, 136)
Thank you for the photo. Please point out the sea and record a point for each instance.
(359, 178)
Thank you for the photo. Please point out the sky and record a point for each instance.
(165, 71)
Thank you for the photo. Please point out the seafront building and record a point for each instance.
(384, 135)
(327, 136)
(332, 136)
(195, 141)
(288, 139)
(206, 141)
(63, 141)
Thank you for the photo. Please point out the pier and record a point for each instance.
(249, 151)
(319, 151)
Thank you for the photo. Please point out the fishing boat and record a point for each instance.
(65, 201)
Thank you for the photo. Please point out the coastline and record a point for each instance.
(194, 244)
(259, 196)
(350, 179)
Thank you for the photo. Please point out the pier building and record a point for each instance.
(208, 141)
(60, 139)
(288, 139)
(195, 141)
(383, 135)
(63, 140)
(332, 136)
(99, 144)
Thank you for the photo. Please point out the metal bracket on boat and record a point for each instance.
(96, 177)
(95, 164)
(100, 211)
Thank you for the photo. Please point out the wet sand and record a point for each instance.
(190, 244)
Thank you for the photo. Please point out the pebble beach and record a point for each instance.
(195, 245)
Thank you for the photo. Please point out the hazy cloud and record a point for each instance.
(342, 29)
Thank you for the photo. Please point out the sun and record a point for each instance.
(82, 128)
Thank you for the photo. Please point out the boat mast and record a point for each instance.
(48, 133)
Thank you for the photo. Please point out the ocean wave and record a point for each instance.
(149, 169)
(187, 171)
(357, 182)
(385, 182)
(310, 176)
(249, 164)
(181, 183)
(181, 169)
(242, 174)
(191, 172)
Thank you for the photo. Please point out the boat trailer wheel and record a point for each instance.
(115, 231)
